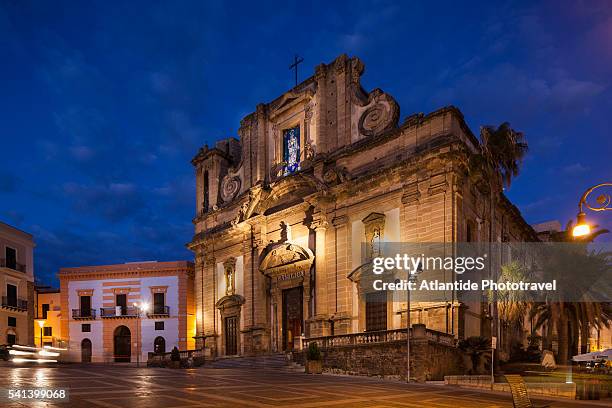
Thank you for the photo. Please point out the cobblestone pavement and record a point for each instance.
(126, 386)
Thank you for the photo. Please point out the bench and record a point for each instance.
(520, 397)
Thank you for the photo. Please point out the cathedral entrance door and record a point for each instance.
(292, 316)
(231, 335)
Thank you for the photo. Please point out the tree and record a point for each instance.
(574, 309)
(512, 305)
(498, 161)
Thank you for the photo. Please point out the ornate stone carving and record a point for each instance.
(335, 174)
(309, 150)
(319, 223)
(230, 276)
(230, 186)
(286, 257)
(381, 115)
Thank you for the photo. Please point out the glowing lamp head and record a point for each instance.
(41, 323)
(582, 228)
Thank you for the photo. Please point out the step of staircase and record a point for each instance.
(269, 361)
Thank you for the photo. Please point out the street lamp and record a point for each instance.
(604, 200)
(142, 308)
(41, 324)
(412, 278)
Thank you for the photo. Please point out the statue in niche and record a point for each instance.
(230, 276)
(285, 233)
(374, 225)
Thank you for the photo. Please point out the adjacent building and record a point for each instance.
(283, 211)
(16, 286)
(47, 325)
(122, 312)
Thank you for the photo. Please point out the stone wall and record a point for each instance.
(429, 360)
(483, 382)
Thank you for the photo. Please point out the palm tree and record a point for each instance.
(512, 306)
(502, 150)
(574, 309)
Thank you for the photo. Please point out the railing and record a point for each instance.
(159, 311)
(382, 336)
(185, 354)
(10, 302)
(15, 266)
(83, 313)
(129, 311)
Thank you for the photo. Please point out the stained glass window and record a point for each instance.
(291, 150)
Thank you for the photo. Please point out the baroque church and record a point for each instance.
(283, 211)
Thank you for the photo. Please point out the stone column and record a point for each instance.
(319, 324)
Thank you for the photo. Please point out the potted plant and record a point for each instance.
(314, 365)
(175, 358)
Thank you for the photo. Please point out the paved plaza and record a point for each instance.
(125, 386)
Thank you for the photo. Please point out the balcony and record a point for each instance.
(83, 314)
(159, 311)
(14, 303)
(110, 312)
(12, 265)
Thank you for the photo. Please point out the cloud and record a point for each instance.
(573, 169)
(114, 202)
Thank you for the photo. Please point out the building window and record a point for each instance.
(159, 325)
(159, 303)
(85, 304)
(121, 300)
(45, 310)
(11, 257)
(12, 321)
(11, 295)
(291, 150)
(47, 331)
(86, 328)
(205, 201)
(11, 339)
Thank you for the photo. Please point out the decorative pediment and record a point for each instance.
(285, 257)
(290, 99)
(356, 274)
(229, 301)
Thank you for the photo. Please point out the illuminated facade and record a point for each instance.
(16, 286)
(282, 214)
(48, 311)
(114, 312)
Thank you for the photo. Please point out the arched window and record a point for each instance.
(205, 201)
(159, 345)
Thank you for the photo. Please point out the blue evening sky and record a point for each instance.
(104, 103)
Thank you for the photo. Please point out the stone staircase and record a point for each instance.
(278, 361)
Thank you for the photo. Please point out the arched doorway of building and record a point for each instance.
(86, 351)
(159, 345)
(122, 341)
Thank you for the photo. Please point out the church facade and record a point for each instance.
(283, 210)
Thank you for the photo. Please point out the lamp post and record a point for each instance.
(604, 202)
(142, 308)
(41, 324)
(412, 278)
